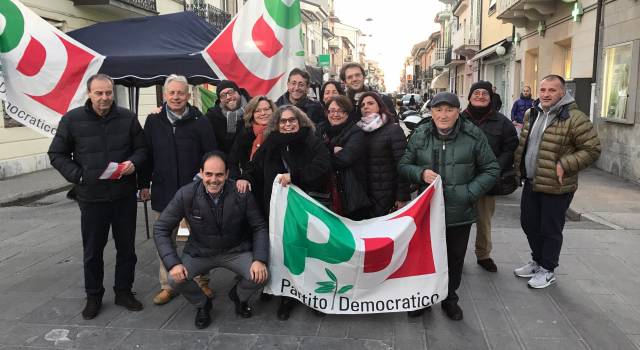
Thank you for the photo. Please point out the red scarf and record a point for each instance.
(258, 130)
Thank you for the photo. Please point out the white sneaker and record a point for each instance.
(527, 270)
(542, 279)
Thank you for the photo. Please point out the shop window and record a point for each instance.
(615, 81)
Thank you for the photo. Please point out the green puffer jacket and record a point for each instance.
(463, 159)
(570, 140)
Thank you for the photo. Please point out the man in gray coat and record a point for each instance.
(227, 230)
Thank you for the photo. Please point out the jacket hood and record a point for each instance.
(567, 99)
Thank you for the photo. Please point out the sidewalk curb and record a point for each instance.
(16, 199)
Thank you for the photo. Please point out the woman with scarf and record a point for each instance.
(346, 144)
(293, 152)
(386, 143)
(503, 141)
(256, 118)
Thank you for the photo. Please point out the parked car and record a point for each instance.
(407, 97)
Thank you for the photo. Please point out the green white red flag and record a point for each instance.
(259, 47)
(393, 263)
(44, 70)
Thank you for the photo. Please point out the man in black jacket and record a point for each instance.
(177, 138)
(88, 139)
(503, 140)
(353, 75)
(218, 217)
(226, 115)
(297, 88)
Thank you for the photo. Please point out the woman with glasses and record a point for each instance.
(386, 143)
(292, 151)
(347, 147)
(250, 138)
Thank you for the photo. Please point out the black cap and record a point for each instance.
(482, 84)
(225, 84)
(445, 98)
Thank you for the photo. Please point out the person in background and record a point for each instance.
(557, 141)
(454, 149)
(347, 147)
(496, 101)
(385, 143)
(88, 140)
(329, 89)
(503, 141)
(520, 106)
(177, 138)
(297, 89)
(295, 155)
(226, 115)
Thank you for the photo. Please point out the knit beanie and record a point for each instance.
(482, 84)
(225, 84)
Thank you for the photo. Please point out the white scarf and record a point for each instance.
(372, 122)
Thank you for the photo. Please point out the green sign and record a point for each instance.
(324, 60)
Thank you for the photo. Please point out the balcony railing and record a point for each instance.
(437, 57)
(216, 17)
(504, 5)
(149, 5)
(464, 39)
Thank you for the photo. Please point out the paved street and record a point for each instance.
(594, 305)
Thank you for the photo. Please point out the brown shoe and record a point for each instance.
(164, 297)
(207, 291)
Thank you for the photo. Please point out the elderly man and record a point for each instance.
(453, 148)
(227, 230)
(178, 136)
(557, 141)
(226, 115)
(503, 141)
(297, 87)
(89, 142)
(353, 75)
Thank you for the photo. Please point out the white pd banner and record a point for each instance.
(392, 263)
(44, 70)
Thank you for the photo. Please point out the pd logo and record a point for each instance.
(43, 64)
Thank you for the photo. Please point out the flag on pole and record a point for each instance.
(207, 98)
(44, 70)
(259, 47)
(393, 263)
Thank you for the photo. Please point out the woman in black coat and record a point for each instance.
(348, 150)
(386, 143)
(294, 152)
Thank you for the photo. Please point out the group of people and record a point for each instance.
(347, 150)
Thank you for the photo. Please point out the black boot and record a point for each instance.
(92, 308)
(242, 307)
(284, 310)
(452, 310)
(127, 299)
(203, 315)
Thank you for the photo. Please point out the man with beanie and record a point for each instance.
(557, 141)
(226, 115)
(453, 148)
(503, 141)
(297, 88)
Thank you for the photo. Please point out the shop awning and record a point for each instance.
(441, 81)
(491, 49)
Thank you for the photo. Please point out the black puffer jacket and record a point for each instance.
(313, 109)
(219, 123)
(174, 153)
(242, 228)
(385, 148)
(85, 144)
(501, 135)
(307, 159)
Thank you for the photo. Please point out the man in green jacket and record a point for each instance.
(456, 150)
(557, 141)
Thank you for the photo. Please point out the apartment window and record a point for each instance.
(615, 81)
(492, 6)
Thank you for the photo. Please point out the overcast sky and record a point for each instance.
(395, 27)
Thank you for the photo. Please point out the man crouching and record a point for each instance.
(226, 230)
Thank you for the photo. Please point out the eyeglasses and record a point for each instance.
(479, 93)
(228, 94)
(263, 110)
(285, 121)
(334, 111)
